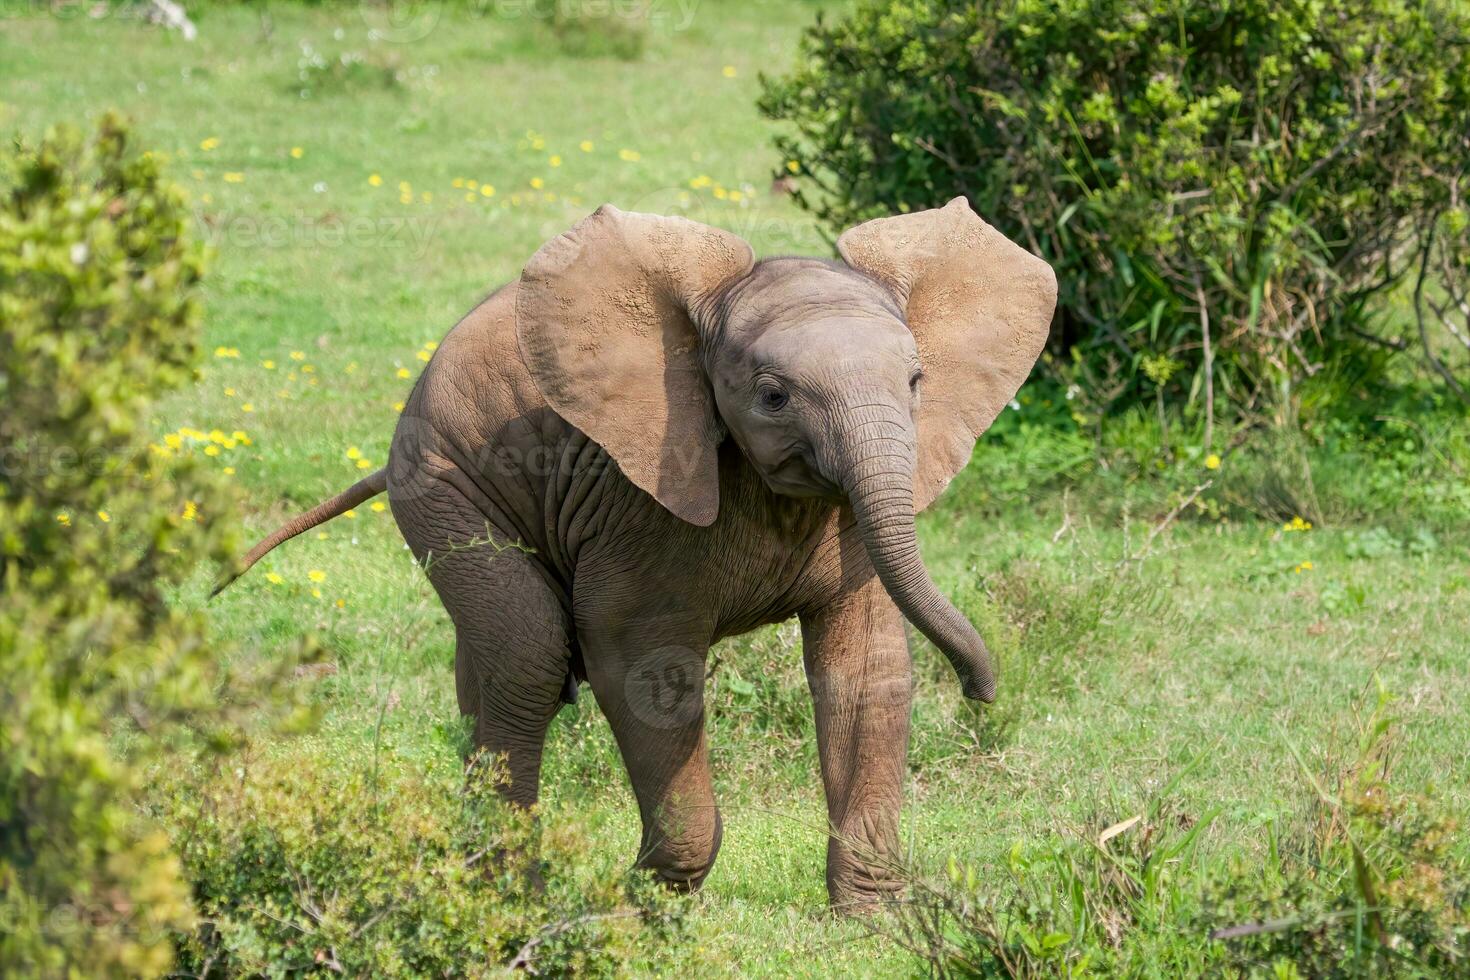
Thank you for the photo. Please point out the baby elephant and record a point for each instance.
(651, 441)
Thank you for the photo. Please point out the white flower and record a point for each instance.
(1015, 404)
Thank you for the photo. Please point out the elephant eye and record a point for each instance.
(914, 381)
(773, 399)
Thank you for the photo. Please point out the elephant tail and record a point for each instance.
(362, 490)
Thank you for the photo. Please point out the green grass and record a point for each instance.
(1208, 652)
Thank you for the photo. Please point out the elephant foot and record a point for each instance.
(682, 861)
(861, 880)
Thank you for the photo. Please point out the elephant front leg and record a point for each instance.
(652, 692)
(857, 663)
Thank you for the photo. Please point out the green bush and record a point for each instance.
(397, 870)
(1225, 187)
(1376, 890)
(98, 269)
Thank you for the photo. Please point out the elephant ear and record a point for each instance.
(980, 308)
(606, 321)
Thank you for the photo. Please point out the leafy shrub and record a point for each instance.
(596, 30)
(98, 272)
(1223, 186)
(319, 73)
(396, 871)
(1374, 889)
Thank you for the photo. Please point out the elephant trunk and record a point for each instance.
(878, 479)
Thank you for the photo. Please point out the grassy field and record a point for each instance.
(363, 193)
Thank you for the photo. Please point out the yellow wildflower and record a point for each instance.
(364, 464)
(404, 373)
(794, 166)
(209, 144)
(341, 603)
(354, 453)
(379, 507)
(553, 161)
(316, 575)
(629, 156)
(274, 578)
(728, 71)
(173, 440)
(297, 355)
(211, 450)
(297, 153)
(537, 183)
(487, 190)
(63, 519)
(229, 471)
(585, 146)
(1212, 462)
(227, 352)
(234, 177)
(431, 345)
(104, 517)
(375, 180)
(351, 515)
(398, 406)
(191, 510)
(423, 355)
(457, 183)
(247, 407)
(700, 182)
(268, 365)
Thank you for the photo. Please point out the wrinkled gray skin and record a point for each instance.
(557, 569)
(618, 591)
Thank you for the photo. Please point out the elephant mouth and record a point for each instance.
(796, 476)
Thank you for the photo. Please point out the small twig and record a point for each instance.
(522, 959)
(1160, 527)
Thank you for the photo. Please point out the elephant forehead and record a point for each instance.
(782, 291)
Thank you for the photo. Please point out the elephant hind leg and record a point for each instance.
(511, 661)
(512, 649)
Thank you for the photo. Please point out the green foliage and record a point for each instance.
(1376, 891)
(397, 871)
(320, 73)
(98, 271)
(1223, 186)
(595, 31)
